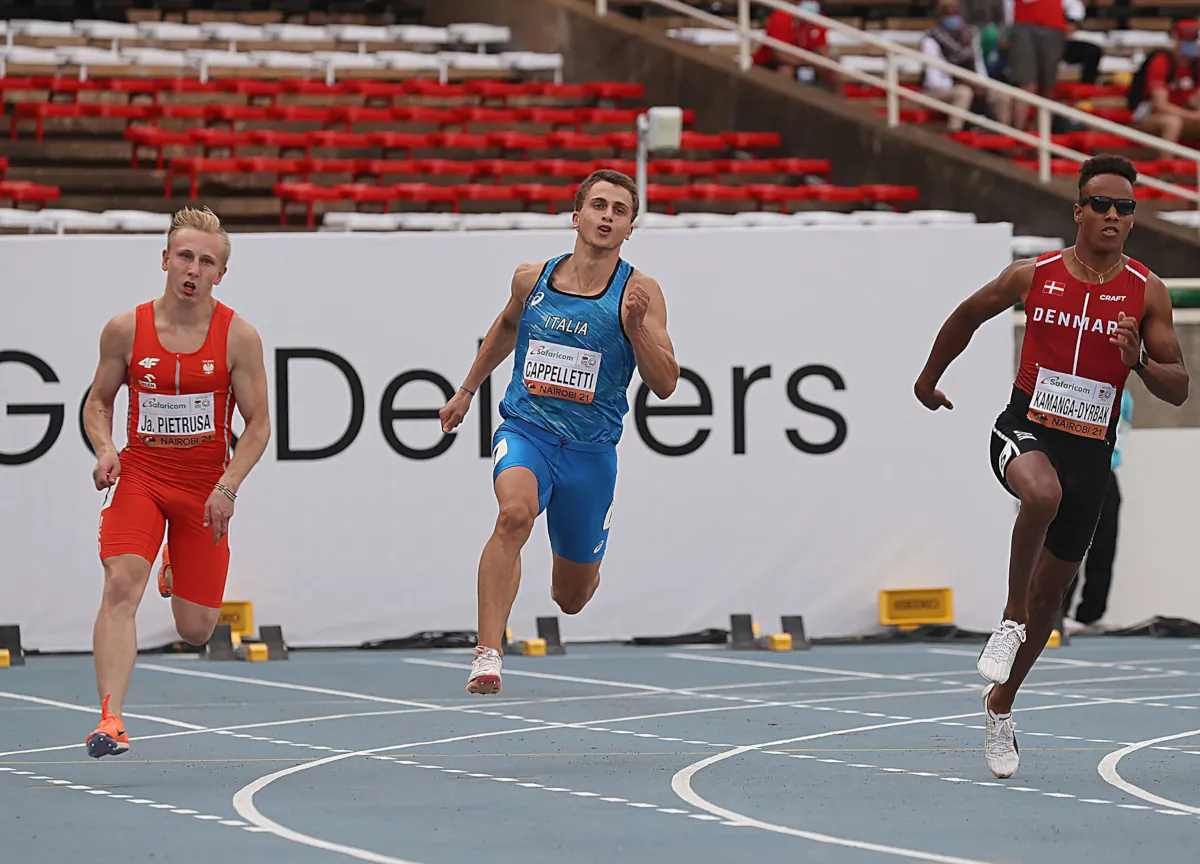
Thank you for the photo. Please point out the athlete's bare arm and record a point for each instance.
(248, 377)
(500, 341)
(1165, 374)
(1001, 294)
(644, 317)
(116, 345)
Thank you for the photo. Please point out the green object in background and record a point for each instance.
(989, 39)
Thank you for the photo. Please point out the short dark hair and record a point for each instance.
(1107, 163)
(607, 175)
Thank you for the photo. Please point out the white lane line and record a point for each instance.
(1108, 771)
(69, 707)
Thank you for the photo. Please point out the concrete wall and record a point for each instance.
(813, 124)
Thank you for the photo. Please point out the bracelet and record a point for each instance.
(472, 392)
(226, 491)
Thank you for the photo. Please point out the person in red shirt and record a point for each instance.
(1036, 43)
(1169, 104)
(788, 28)
(187, 360)
(1093, 315)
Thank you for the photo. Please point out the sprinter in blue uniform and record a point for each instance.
(578, 325)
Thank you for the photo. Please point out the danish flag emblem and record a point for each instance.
(1053, 288)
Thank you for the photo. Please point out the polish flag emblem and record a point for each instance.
(1053, 288)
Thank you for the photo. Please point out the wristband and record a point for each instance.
(472, 392)
(226, 491)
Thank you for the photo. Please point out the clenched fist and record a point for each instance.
(1127, 339)
(633, 313)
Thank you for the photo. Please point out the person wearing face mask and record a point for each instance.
(956, 42)
(1163, 95)
(803, 34)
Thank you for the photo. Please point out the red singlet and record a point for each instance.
(180, 408)
(180, 405)
(1072, 373)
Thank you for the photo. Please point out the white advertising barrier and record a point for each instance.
(792, 472)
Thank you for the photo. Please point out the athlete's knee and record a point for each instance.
(124, 584)
(515, 521)
(1040, 497)
(572, 600)
(194, 623)
(194, 632)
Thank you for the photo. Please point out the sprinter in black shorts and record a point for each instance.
(1092, 316)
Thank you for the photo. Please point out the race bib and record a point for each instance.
(561, 371)
(175, 421)
(1072, 404)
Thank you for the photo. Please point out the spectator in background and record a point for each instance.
(1079, 51)
(956, 42)
(1163, 93)
(1037, 40)
(811, 37)
(1098, 566)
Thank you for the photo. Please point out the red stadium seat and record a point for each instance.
(497, 90)
(615, 91)
(340, 140)
(770, 193)
(301, 114)
(435, 89)
(232, 114)
(551, 196)
(219, 139)
(38, 112)
(498, 169)
(153, 136)
(363, 193)
(681, 168)
(269, 165)
(671, 195)
(885, 193)
(280, 141)
(384, 168)
(348, 115)
(820, 167)
(192, 167)
(252, 87)
(427, 193)
(553, 117)
(405, 141)
(1058, 167)
(306, 194)
(183, 112)
(470, 114)
(445, 168)
(20, 192)
(517, 141)
(752, 141)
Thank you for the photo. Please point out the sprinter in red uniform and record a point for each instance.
(187, 360)
(1092, 316)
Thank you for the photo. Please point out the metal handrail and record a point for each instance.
(890, 84)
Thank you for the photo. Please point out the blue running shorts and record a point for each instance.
(576, 482)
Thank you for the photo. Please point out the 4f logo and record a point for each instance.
(148, 362)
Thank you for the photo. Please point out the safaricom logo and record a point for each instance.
(1055, 381)
(167, 406)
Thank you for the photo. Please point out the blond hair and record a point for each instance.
(200, 220)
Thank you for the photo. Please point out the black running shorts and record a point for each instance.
(1082, 465)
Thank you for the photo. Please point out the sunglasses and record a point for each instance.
(1102, 203)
